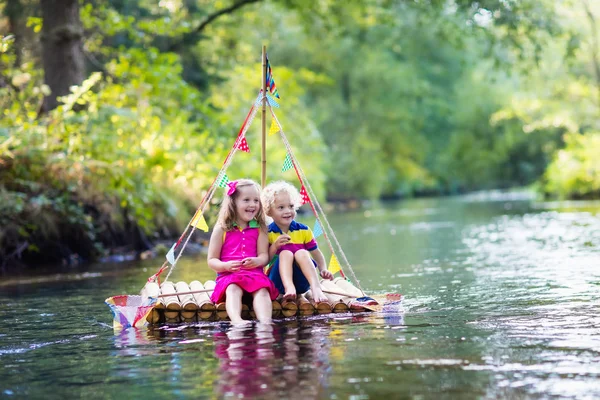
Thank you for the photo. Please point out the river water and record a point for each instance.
(501, 301)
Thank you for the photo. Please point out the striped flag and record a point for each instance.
(271, 87)
(304, 194)
(317, 230)
(222, 181)
(334, 265)
(287, 163)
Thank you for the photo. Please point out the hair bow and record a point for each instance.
(232, 186)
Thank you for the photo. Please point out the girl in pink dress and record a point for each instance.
(238, 251)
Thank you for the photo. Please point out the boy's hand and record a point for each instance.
(326, 274)
(233, 266)
(282, 240)
(250, 262)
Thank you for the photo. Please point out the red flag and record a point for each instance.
(243, 145)
(305, 198)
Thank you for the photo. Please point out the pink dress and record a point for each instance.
(237, 245)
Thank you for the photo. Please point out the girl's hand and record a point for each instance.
(326, 274)
(233, 266)
(250, 262)
(282, 240)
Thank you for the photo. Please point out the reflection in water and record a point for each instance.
(287, 360)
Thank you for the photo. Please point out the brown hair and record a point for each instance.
(227, 213)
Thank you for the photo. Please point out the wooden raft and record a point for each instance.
(183, 302)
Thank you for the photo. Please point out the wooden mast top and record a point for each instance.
(263, 176)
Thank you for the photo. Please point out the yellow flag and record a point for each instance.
(274, 127)
(199, 222)
(334, 264)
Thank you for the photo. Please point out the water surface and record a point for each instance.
(501, 301)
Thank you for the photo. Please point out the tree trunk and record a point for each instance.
(16, 26)
(62, 48)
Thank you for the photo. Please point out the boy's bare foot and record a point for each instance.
(289, 296)
(318, 296)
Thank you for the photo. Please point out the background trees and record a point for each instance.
(117, 114)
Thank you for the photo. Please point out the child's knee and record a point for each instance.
(286, 256)
(301, 254)
(261, 292)
(233, 289)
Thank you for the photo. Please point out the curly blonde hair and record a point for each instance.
(275, 188)
(228, 214)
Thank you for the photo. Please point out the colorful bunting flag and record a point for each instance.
(243, 145)
(171, 255)
(287, 164)
(334, 265)
(271, 88)
(274, 127)
(199, 222)
(272, 102)
(222, 181)
(304, 194)
(317, 230)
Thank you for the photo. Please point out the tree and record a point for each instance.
(62, 48)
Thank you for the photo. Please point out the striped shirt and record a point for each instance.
(300, 234)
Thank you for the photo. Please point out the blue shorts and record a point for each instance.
(300, 282)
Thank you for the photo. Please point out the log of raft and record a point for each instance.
(153, 290)
(189, 303)
(206, 308)
(323, 307)
(189, 307)
(289, 308)
(305, 307)
(172, 304)
(340, 303)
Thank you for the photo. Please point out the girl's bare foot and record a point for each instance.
(240, 322)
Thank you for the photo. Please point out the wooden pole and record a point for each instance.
(263, 176)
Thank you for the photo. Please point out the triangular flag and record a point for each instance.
(317, 230)
(334, 265)
(243, 145)
(222, 181)
(199, 222)
(274, 127)
(287, 163)
(272, 102)
(171, 255)
(305, 198)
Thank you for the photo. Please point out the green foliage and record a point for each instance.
(575, 170)
(379, 98)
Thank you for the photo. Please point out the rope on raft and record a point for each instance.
(313, 199)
